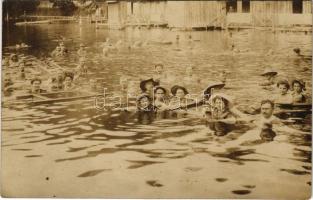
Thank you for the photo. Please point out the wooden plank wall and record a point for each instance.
(117, 13)
(154, 11)
(265, 13)
(307, 6)
(190, 14)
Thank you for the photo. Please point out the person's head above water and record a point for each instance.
(159, 93)
(148, 85)
(298, 86)
(179, 91)
(283, 86)
(269, 72)
(159, 68)
(189, 70)
(297, 50)
(68, 78)
(144, 101)
(221, 102)
(36, 83)
(267, 108)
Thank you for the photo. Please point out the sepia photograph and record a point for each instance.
(156, 99)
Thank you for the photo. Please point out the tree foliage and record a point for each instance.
(67, 7)
(16, 8)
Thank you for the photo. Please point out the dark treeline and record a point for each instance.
(17, 8)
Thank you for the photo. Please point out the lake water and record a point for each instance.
(70, 149)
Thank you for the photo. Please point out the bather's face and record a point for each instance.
(180, 93)
(144, 102)
(159, 69)
(266, 110)
(159, 94)
(68, 81)
(36, 85)
(283, 89)
(297, 87)
(149, 86)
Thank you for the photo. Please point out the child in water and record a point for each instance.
(283, 96)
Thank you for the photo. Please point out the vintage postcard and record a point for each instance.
(156, 99)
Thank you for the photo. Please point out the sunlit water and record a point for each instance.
(73, 150)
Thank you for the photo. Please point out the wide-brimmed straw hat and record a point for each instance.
(214, 85)
(269, 71)
(143, 83)
(176, 87)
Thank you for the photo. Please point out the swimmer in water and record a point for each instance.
(147, 86)
(159, 74)
(82, 51)
(81, 69)
(298, 94)
(283, 96)
(161, 102)
(269, 75)
(179, 100)
(266, 121)
(36, 86)
(68, 84)
(145, 109)
(190, 77)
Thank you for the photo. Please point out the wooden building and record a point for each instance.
(213, 13)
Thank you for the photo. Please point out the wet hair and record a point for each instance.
(283, 82)
(35, 79)
(267, 101)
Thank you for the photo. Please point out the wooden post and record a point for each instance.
(239, 6)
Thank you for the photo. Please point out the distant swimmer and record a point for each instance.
(81, 69)
(159, 74)
(105, 51)
(82, 52)
(14, 60)
(190, 78)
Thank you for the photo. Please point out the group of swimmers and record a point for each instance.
(157, 102)
(289, 92)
